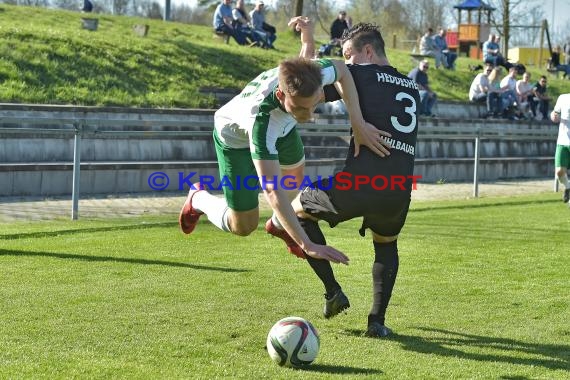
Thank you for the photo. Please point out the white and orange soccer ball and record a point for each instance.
(293, 342)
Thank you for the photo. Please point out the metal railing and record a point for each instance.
(94, 126)
(477, 134)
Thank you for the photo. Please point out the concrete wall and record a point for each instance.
(34, 163)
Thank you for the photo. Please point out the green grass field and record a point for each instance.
(482, 293)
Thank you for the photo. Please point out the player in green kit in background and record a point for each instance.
(561, 114)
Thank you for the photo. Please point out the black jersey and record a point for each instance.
(389, 100)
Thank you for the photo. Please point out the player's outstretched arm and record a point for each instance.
(306, 27)
(367, 135)
(280, 203)
(364, 133)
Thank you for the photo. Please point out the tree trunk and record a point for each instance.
(298, 7)
(506, 28)
(298, 12)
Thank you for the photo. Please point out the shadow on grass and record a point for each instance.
(45, 234)
(453, 344)
(71, 256)
(340, 369)
(436, 207)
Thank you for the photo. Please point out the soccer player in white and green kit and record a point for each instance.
(256, 138)
(561, 114)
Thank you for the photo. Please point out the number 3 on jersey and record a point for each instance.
(411, 110)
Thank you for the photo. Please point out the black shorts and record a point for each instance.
(384, 213)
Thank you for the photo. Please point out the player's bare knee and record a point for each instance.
(244, 227)
(243, 223)
(241, 231)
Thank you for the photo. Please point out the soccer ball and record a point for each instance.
(293, 342)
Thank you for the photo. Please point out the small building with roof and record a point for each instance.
(473, 29)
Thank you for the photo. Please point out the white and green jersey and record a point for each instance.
(255, 119)
(563, 108)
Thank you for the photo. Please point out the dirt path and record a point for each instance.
(12, 209)
(426, 192)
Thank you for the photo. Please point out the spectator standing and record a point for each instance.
(338, 26)
(524, 94)
(561, 114)
(540, 100)
(428, 98)
(242, 22)
(567, 53)
(87, 6)
(265, 31)
(448, 57)
(479, 91)
(223, 20)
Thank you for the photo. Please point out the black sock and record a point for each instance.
(322, 268)
(384, 272)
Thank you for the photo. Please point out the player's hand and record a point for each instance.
(325, 252)
(301, 23)
(372, 138)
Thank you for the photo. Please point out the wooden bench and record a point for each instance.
(89, 23)
(222, 35)
(141, 30)
(417, 58)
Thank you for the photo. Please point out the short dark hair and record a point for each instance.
(362, 34)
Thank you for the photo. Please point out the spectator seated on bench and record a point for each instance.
(428, 98)
(265, 32)
(429, 48)
(223, 20)
(554, 66)
(492, 54)
(447, 57)
(480, 94)
(417, 58)
(242, 21)
(525, 95)
(539, 103)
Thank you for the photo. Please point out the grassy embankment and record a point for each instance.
(47, 58)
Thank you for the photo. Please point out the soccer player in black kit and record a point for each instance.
(390, 101)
